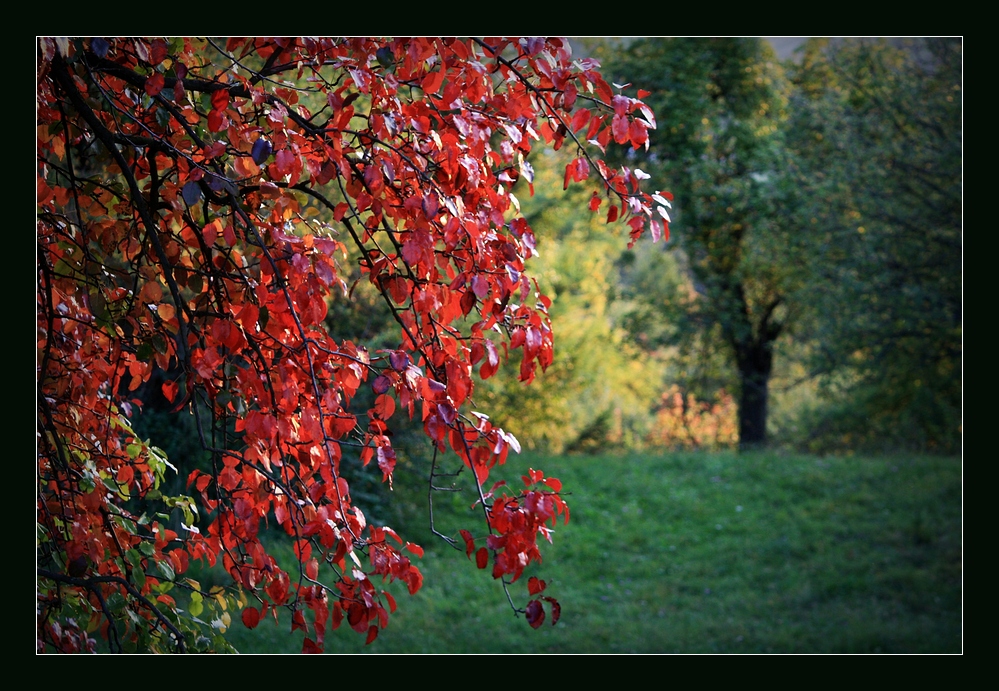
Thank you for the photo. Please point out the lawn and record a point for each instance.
(703, 553)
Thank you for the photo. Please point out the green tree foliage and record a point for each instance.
(720, 149)
(877, 132)
(818, 220)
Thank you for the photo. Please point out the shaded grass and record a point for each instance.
(695, 552)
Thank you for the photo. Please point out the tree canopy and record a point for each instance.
(819, 224)
(877, 134)
(724, 155)
(200, 205)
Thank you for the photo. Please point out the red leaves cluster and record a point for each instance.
(517, 521)
(178, 183)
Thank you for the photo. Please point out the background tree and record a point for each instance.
(877, 135)
(818, 221)
(721, 150)
(200, 205)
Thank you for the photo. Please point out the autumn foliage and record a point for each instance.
(682, 421)
(198, 203)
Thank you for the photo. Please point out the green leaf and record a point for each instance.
(164, 587)
(115, 601)
(166, 569)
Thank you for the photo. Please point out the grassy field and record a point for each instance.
(704, 553)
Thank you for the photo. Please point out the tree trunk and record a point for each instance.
(755, 362)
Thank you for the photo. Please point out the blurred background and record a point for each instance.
(758, 423)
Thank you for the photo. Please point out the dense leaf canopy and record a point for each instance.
(199, 204)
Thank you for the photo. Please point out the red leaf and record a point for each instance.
(414, 579)
(125, 475)
(216, 121)
(303, 550)
(309, 647)
(381, 384)
(203, 482)
(399, 360)
(251, 617)
(155, 84)
(595, 123)
(367, 453)
(638, 132)
(158, 52)
(603, 139)
(491, 363)
(535, 585)
(469, 542)
(535, 614)
(447, 413)
(467, 302)
(482, 558)
(480, 286)
(220, 99)
(169, 389)
(298, 621)
(556, 609)
(386, 461)
(620, 129)
(384, 406)
(432, 82)
(533, 477)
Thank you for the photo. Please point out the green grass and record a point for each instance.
(700, 553)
